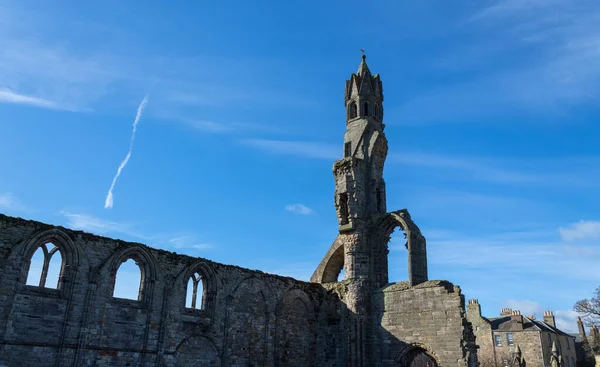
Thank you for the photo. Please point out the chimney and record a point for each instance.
(549, 318)
(506, 312)
(474, 312)
(531, 317)
(474, 307)
(516, 317)
(581, 328)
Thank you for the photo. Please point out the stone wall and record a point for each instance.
(430, 316)
(247, 317)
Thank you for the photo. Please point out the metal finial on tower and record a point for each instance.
(363, 53)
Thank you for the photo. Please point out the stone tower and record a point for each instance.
(359, 184)
(364, 225)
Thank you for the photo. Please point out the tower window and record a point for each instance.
(378, 200)
(353, 111)
(348, 149)
(343, 203)
(366, 109)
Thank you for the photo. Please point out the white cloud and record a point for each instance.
(296, 148)
(9, 96)
(93, 224)
(189, 242)
(526, 307)
(562, 171)
(555, 44)
(8, 201)
(582, 230)
(519, 254)
(108, 202)
(299, 209)
(565, 320)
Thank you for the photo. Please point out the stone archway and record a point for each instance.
(416, 356)
(415, 244)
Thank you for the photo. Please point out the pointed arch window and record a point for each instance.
(45, 267)
(195, 292)
(129, 280)
(353, 111)
(366, 109)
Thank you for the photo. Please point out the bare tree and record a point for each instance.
(589, 309)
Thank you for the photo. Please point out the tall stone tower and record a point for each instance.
(364, 225)
(359, 184)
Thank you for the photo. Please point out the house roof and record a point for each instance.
(507, 323)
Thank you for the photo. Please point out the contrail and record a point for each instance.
(108, 203)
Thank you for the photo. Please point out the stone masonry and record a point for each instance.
(241, 317)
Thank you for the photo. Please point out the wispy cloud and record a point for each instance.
(93, 224)
(585, 229)
(168, 241)
(295, 148)
(9, 96)
(299, 209)
(189, 242)
(553, 47)
(8, 201)
(218, 127)
(557, 171)
(518, 253)
(108, 203)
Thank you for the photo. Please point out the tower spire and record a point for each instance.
(363, 68)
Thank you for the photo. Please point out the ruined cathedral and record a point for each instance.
(236, 316)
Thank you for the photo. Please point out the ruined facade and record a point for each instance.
(240, 317)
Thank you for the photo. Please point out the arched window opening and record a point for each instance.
(54, 270)
(353, 111)
(344, 212)
(128, 282)
(418, 357)
(195, 292)
(366, 109)
(341, 275)
(376, 112)
(398, 256)
(45, 267)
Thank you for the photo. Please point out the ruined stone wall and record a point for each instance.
(248, 317)
(482, 330)
(430, 315)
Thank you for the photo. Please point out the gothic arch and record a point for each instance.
(352, 110)
(210, 286)
(146, 263)
(265, 290)
(295, 341)
(66, 247)
(415, 242)
(332, 264)
(247, 322)
(197, 350)
(405, 356)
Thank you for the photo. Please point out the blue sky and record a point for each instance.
(491, 110)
